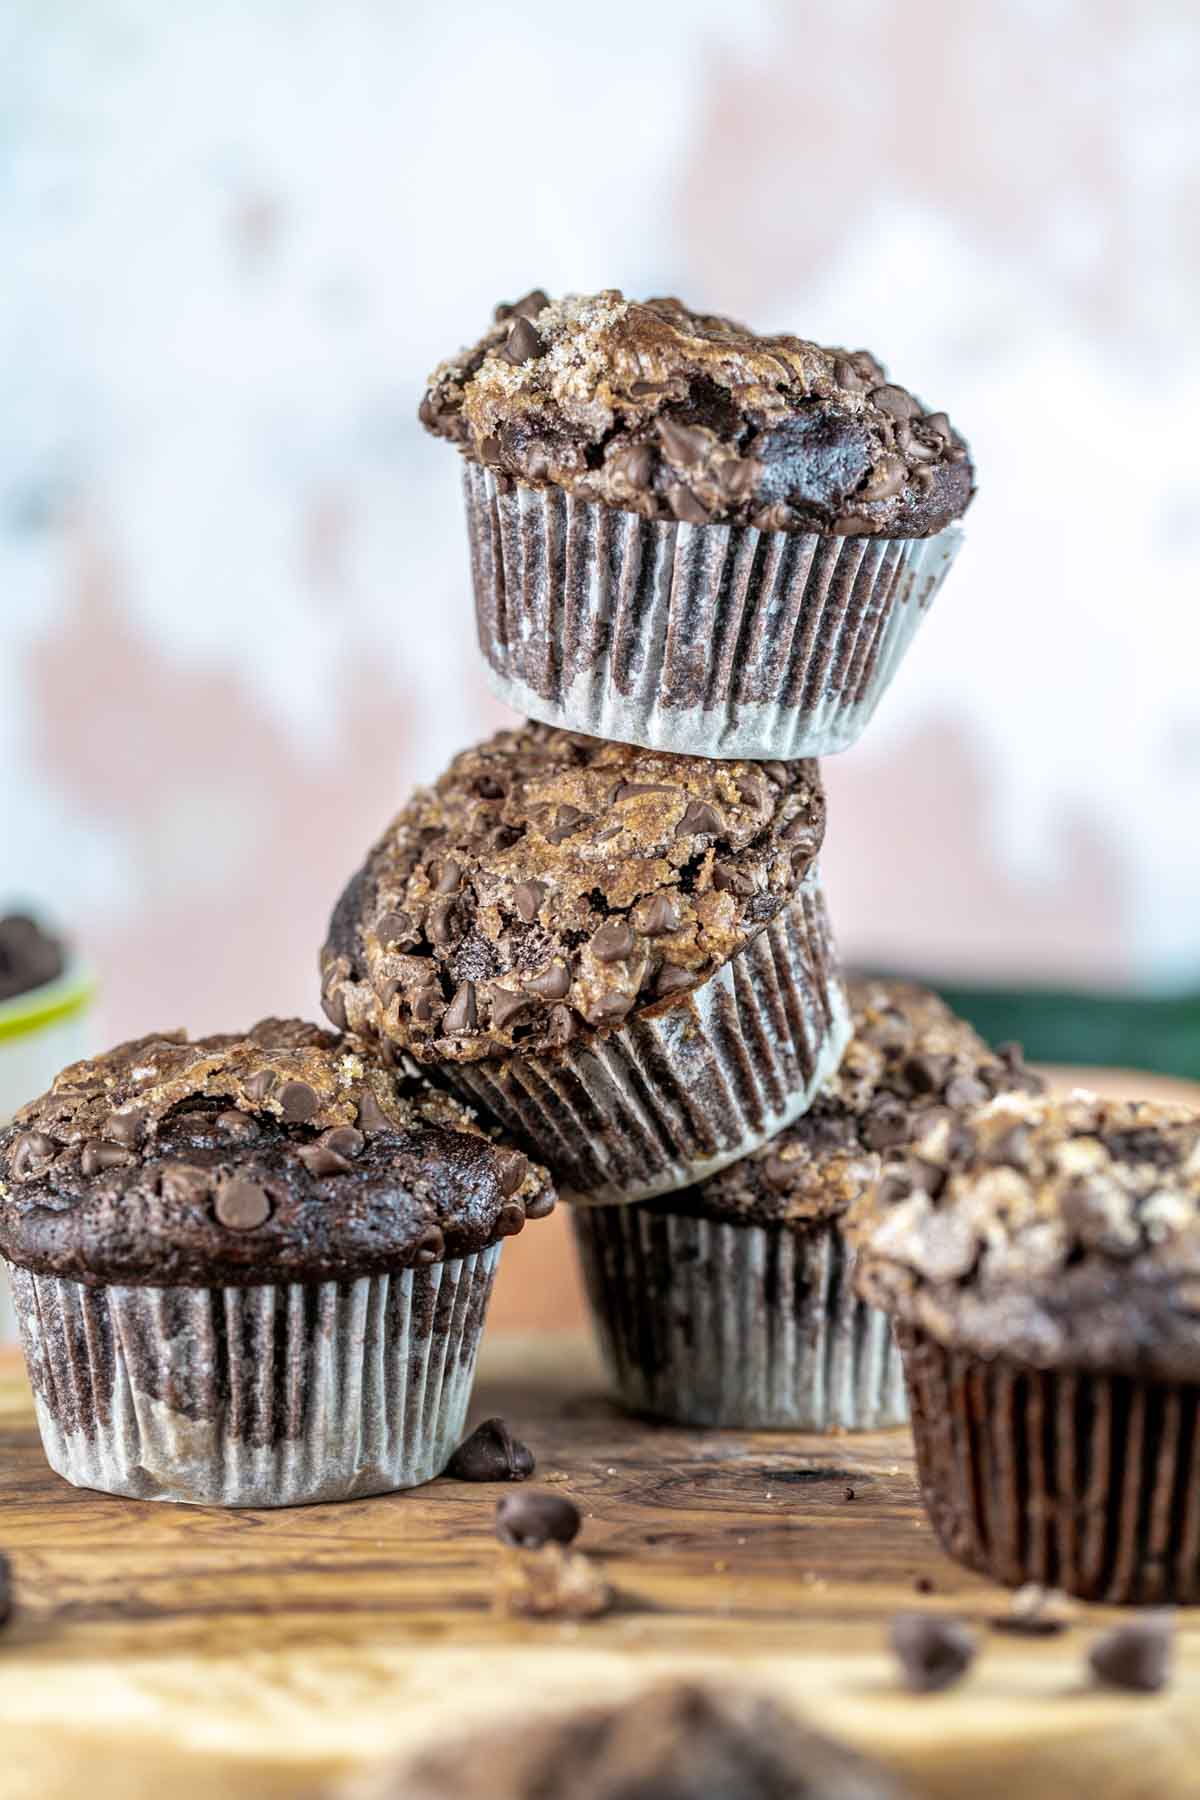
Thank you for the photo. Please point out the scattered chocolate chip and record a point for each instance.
(684, 445)
(629, 790)
(30, 1152)
(334, 1003)
(507, 1007)
(513, 1169)
(344, 1140)
(633, 463)
(885, 1125)
(241, 1204)
(552, 984)
(489, 450)
(523, 344)
(527, 898)
(926, 1074)
(933, 1652)
(461, 1014)
(491, 1453)
(673, 980)
(656, 915)
(779, 1172)
(778, 772)
(730, 880)
(510, 1220)
(685, 506)
(923, 1584)
(937, 425)
(126, 1128)
(614, 941)
(449, 878)
(541, 1205)
(527, 1521)
(798, 829)
(298, 1102)
(700, 819)
(98, 1156)
(431, 1246)
(442, 922)
(529, 307)
(609, 1009)
(561, 1027)
(894, 401)
(396, 931)
(371, 1116)
(240, 1127)
(848, 1494)
(885, 479)
(319, 1159)
(567, 819)
(259, 1085)
(1136, 1657)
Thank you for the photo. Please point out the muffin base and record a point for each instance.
(705, 1322)
(672, 1097)
(1080, 1481)
(708, 640)
(279, 1395)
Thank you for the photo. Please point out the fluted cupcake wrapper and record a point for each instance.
(278, 1395)
(1074, 1480)
(706, 1322)
(710, 640)
(667, 1099)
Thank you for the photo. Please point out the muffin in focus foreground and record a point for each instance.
(1042, 1264)
(732, 1302)
(253, 1270)
(622, 956)
(690, 536)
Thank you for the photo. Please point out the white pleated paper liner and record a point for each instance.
(665, 1100)
(752, 1327)
(711, 640)
(279, 1395)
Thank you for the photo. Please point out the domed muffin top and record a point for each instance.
(550, 883)
(655, 409)
(280, 1154)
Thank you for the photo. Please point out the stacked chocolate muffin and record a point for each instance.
(698, 555)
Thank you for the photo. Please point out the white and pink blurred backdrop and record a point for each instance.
(234, 613)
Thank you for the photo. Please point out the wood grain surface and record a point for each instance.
(163, 1650)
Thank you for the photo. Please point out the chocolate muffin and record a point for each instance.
(253, 1269)
(685, 1741)
(689, 535)
(622, 956)
(1042, 1263)
(732, 1302)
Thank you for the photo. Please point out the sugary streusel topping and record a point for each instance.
(1059, 1232)
(673, 414)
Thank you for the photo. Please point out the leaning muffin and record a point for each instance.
(690, 536)
(1042, 1264)
(252, 1270)
(621, 956)
(676, 1741)
(732, 1302)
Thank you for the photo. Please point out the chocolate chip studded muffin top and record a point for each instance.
(683, 1741)
(549, 884)
(673, 414)
(910, 1062)
(283, 1154)
(1057, 1232)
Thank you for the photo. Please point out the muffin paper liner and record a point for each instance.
(260, 1396)
(706, 1322)
(668, 1099)
(1080, 1481)
(712, 640)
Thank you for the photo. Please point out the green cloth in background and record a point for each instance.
(1131, 1031)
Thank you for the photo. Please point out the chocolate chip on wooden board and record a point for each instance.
(491, 1453)
(1136, 1657)
(933, 1652)
(527, 1521)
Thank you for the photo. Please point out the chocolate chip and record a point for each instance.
(614, 941)
(848, 1494)
(182, 1184)
(334, 1004)
(541, 1205)
(30, 1152)
(507, 1007)
(491, 1453)
(527, 1521)
(700, 819)
(885, 479)
(343, 1140)
(98, 1156)
(628, 790)
(441, 924)
(298, 1102)
(937, 425)
(527, 898)
(964, 1091)
(885, 1125)
(779, 1174)
(778, 772)
(739, 477)
(431, 1246)
(449, 878)
(846, 375)
(241, 1127)
(933, 1652)
(319, 1159)
(1136, 1657)
(686, 507)
(673, 980)
(609, 1009)
(371, 1116)
(656, 915)
(730, 880)
(684, 445)
(926, 1074)
(561, 1027)
(513, 1169)
(529, 306)
(461, 1014)
(566, 821)
(510, 1220)
(503, 837)
(396, 931)
(489, 450)
(633, 463)
(242, 1204)
(126, 1127)
(259, 1085)
(552, 984)
(894, 401)
(523, 343)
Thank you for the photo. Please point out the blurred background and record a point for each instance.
(234, 612)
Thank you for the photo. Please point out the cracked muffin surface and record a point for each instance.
(656, 409)
(550, 884)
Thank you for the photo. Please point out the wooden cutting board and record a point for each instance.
(170, 1650)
